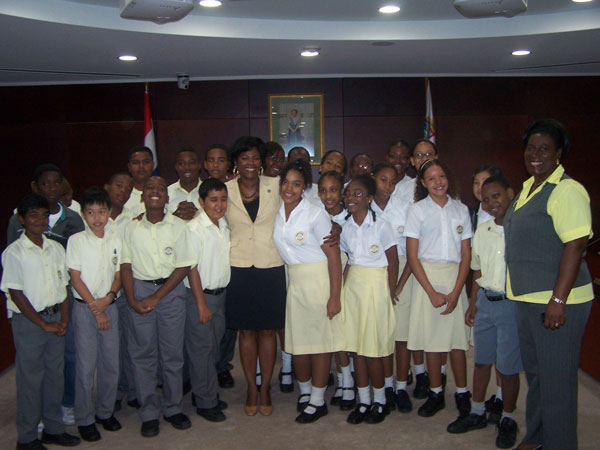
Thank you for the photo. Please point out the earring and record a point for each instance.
(235, 171)
(260, 171)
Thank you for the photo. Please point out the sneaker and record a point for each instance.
(179, 421)
(435, 402)
(357, 416)
(305, 417)
(403, 402)
(507, 433)
(68, 415)
(422, 386)
(377, 413)
(494, 406)
(390, 399)
(463, 403)
(467, 423)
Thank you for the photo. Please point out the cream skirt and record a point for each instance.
(402, 306)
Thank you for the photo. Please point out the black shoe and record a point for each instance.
(133, 403)
(409, 379)
(377, 413)
(422, 386)
(347, 405)
(213, 414)
(337, 397)
(89, 433)
(64, 439)
(403, 402)
(301, 405)
(110, 424)
(304, 417)
(150, 428)
(356, 416)
(507, 433)
(494, 408)
(467, 423)
(187, 387)
(225, 380)
(434, 403)
(117, 405)
(222, 405)
(179, 421)
(33, 445)
(390, 398)
(463, 403)
(285, 388)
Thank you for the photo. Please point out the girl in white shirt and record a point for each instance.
(312, 328)
(438, 234)
(370, 281)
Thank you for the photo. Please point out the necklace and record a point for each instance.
(245, 195)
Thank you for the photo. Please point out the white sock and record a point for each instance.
(364, 396)
(379, 395)
(461, 390)
(389, 382)
(351, 364)
(478, 408)
(305, 388)
(317, 398)
(507, 414)
(286, 367)
(340, 379)
(419, 369)
(443, 369)
(400, 385)
(437, 390)
(348, 380)
(499, 392)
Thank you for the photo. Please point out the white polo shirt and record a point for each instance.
(366, 244)
(340, 218)
(134, 205)
(395, 214)
(405, 189)
(155, 250)
(177, 194)
(312, 195)
(210, 246)
(487, 255)
(440, 231)
(98, 260)
(299, 239)
(40, 273)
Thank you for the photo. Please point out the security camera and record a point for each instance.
(183, 81)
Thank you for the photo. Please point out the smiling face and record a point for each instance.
(217, 163)
(187, 167)
(155, 194)
(423, 151)
(495, 199)
(248, 164)
(49, 185)
(96, 217)
(274, 164)
(35, 222)
(330, 193)
(119, 190)
(140, 167)
(436, 183)
(478, 182)
(291, 188)
(333, 161)
(541, 156)
(357, 198)
(385, 181)
(399, 157)
(215, 204)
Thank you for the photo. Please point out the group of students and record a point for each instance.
(147, 275)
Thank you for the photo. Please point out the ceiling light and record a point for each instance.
(210, 3)
(128, 58)
(389, 9)
(522, 52)
(308, 52)
(581, 1)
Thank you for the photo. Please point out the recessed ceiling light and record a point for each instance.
(521, 52)
(389, 9)
(308, 52)
(128, 58)
(210, 3)
(581, 1)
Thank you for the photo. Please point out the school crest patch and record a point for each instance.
(168, 251)
(373, 249)
(114, 260)
(300, 236)
(59, 274)
(459, 229)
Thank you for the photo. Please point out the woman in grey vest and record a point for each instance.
(547, 228)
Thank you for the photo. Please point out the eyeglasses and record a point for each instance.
(424, 155)
(356, 194)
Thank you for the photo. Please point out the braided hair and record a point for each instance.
(369, 184)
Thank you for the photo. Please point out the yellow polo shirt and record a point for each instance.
(118, 225)
(177, 194)
(569, 207)
(156, 250)
(134, 206)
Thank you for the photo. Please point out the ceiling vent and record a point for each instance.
(490, 8)
(157, 11)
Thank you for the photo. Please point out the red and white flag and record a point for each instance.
(429, 123)
(149, 130)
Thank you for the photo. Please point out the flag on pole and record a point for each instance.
(429, 123)
(149, 130)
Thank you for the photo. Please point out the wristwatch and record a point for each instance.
(557, 300)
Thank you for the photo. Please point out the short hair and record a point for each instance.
(496, 179)
(245, 144)
(115, 175)
(553, 129)
(210, 184)
(42, 169)
(383, 165)
(299, 147)
(423, 141)
(400, 143)
(186, 149)
(360, 154)
(334, 174)
(139, 148)
(300, 166)
(31, 201)
(219, 146)
(489, 168)
(94, 195)
(421, 191)
(271, 148)
(331, 152)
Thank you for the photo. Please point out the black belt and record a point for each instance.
(157, 282)
(50, 310)
(83, 301)
(494, 298)
(214, 291)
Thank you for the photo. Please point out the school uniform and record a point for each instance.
(368, 313)
(154, 252)
(298, 239)
(405, 189)
(75, 206)
(40, 273)
(312, 195)
(440, 232)
(97, 260)
(495, 328)
(210, 246)
(134, 205)
(177, 194)
(395, 214)
(340, 219)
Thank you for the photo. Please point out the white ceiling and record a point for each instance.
(78, 41)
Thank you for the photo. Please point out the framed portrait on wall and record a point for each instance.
(297, 120)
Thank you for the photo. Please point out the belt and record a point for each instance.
(157, 282)
(214, 291)
(50, 310)
(494, 298)
(83, 301)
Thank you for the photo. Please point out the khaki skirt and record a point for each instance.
(308, 330)
(368, 312)
(429, 330)
(402, 306)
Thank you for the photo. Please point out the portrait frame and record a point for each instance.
(304, 129)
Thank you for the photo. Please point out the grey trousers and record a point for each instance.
(156, 336)
(40, 379)
(95, 351)
(126, 386)
(202, 345)
(551, 361)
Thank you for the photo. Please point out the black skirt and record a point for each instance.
(256, 298)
